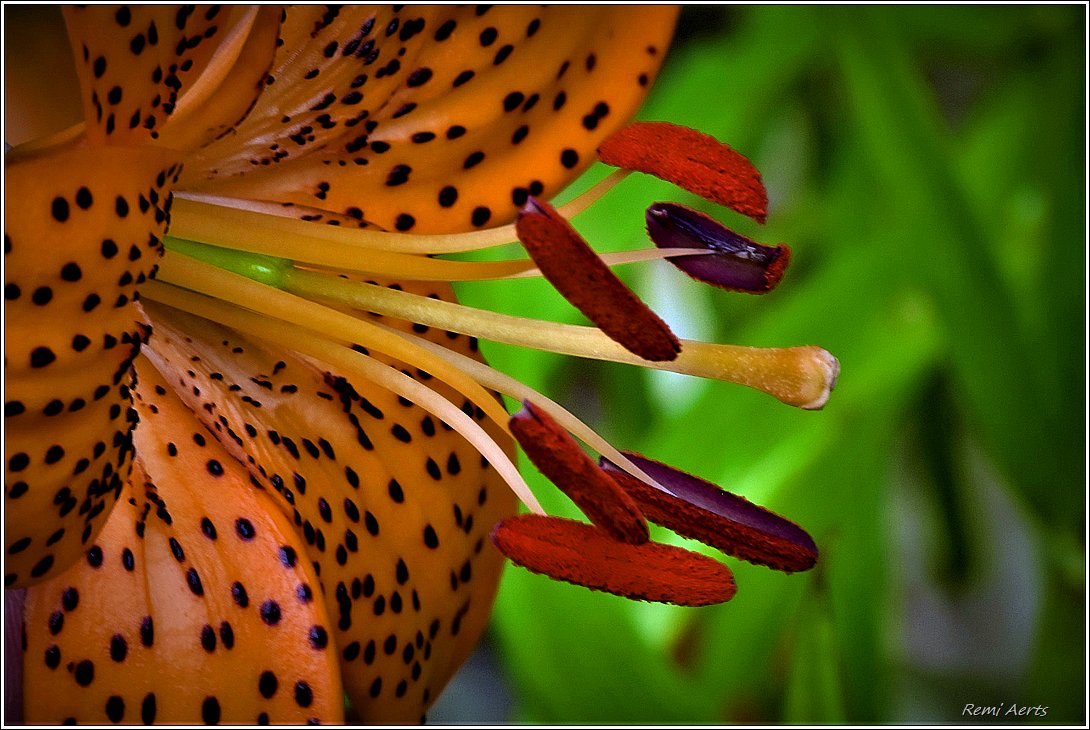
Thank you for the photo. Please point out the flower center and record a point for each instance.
(309, 287)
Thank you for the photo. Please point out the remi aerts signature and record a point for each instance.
(1004, 710)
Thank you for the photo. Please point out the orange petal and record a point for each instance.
(559, 458)
(328, 79)
(81, 235)
(133, 62)
(691, 160)
(195, 603)
(393, 506)
(212, 105)
(575, 270)
(584, 555)
(487, 106)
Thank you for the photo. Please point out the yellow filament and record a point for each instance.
(496, 380)
(525, 268)
(617, 258)
(349, 361)
(238, 290)
(798, 376)
(315, 251)
(246, 225)
(584, 200)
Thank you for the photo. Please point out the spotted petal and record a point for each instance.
(138, 63)
(394, 507)
(100, 214)
(412, 118)
(197, 575)
(72, 331)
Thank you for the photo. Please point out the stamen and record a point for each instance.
(559, 458)
(247, 225)
(314, 251)
(489, 377)
(211, 281)
(635, 256)
(799, 376)
(432, 269)
(701, 510)
(337, 356)
(593, 194)
(737, 264)
(585, 555)
(339, 260)
(691, 160)
(575, 270)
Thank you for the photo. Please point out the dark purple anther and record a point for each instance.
(738, 264)
(701, 510)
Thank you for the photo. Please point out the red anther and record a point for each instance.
(691, 160)
(583, 279)
(701, 510)
(584, 555)
(559, 458)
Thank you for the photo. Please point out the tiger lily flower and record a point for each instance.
(254, 460)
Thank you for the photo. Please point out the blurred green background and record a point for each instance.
(927, 166)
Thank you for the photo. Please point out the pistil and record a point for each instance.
(800, 376)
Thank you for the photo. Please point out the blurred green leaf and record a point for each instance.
(815, 687)
(923, 163)
(898, 121)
